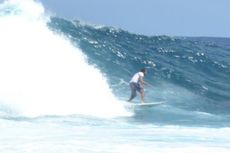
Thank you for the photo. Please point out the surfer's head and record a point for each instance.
(144, 70)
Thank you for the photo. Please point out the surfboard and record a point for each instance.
(146, 104)
(149, 104)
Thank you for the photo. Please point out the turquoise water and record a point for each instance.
(190, 74)
(64, 86)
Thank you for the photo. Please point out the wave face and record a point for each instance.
(191, 74)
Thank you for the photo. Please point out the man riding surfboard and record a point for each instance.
(137, 84)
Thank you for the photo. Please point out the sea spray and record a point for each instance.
(42, 73)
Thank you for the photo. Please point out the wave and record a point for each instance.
(198, 68)
(42, 73)
(61, 67)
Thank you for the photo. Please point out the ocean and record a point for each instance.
(64, 86)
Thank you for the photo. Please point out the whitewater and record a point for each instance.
(64, 86)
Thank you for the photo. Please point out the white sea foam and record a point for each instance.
(41, 136)
(42, 73)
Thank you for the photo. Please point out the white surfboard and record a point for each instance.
(143, 105)
(149, 104)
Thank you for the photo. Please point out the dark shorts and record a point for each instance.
(135, 87)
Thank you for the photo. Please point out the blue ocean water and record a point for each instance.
(190, 74)
(64, 86)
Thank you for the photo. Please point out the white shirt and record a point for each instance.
(136, 77)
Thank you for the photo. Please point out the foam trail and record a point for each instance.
(42, 73)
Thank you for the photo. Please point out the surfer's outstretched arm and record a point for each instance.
(147, 83)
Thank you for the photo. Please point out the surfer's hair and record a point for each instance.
(143, 70)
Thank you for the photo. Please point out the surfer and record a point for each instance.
(137, 84)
